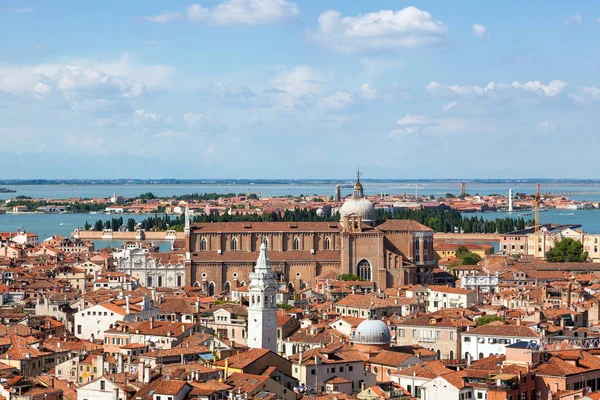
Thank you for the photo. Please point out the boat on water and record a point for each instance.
(93, 212)
(567, 214)
(62, 223)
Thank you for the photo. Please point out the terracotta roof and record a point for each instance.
(242, 360)
(430, 369)
(390, 358)
(503, 330)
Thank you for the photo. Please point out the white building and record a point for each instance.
(438, 297)
(492, 339)
(91, 323)
(262, 311)
(153, 269)
(445, 388)
(25, 239)
(485, 283)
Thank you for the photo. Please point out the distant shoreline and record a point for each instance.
(236, 182)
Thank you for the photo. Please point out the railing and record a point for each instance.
(427, 339)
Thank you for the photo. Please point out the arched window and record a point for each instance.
(149, 281)
(363, 270)
(227, 287)
(296, 244)
(252, 301)
(179, 280)
(234, 244)
(159, 282)
(439, 354)
(203, 244)
(265, 241)
(451, 354)
(327, 243)
(211, 289)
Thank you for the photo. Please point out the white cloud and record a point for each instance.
(546, 127)
(574, 19)
(337, 101)
(552, 89)
(368, 91)
(223, 94)
(298, 81)
(142, 116)
(414, 119)
(233, 12)
(419, 124)
(481, 31)
(449, 106)
(121, 78)
(382, 30)
(585, 95)
(162, 18)
(193, 119)
(170, 135)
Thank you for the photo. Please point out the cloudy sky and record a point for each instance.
(304, 89)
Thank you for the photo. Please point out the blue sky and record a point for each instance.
(304, 89)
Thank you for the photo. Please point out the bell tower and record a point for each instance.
(262, 312)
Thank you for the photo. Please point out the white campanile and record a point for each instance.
(510, 200)
(262, 312)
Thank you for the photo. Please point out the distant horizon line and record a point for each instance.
(282, 181)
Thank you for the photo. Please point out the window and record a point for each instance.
(234, 244)
(327, 243)
(313, 372)
(296, 244)
(375, 369)
(401, 332)
(79, 329)
(203, 244)
(452, 336)
(102, 385)
(414, 333)
(350, 368)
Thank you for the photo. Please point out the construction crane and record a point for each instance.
(536, 221)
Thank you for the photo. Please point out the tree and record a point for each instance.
(87, 226)
(98, 226)
(131, 224)
(348, 277)
(486, 319)
(470, 258)
(461, 251)
(567, 250)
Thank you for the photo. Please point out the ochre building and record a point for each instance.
(221, 256)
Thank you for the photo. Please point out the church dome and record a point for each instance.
(372, 331)
(359, 207)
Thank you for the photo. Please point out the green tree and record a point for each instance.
(98, 226)
(131, 224)
(87, 226)
(348, 277)
(567, 250)
(486, 319)
(470, 258)
(461, 251)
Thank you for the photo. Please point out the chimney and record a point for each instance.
(198, 305)
(151, 322)
(127, 309)
(100, 364)
(300, 357)
(147, 373)
(141, 366)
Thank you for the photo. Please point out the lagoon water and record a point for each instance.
(46, 225)
(426, 188)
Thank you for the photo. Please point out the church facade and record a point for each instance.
(221, 256)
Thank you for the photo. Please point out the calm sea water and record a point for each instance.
(47, 225)
(436, 189)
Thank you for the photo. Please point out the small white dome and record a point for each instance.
(372, 331)
(360, 207)
(319, 212)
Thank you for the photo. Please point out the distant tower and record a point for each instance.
(463, 189)
(262, 312)
(510, 200)
(338, 194)
(186, 232)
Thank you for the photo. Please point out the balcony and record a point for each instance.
(427, 339)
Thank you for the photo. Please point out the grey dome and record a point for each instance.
(372, 331)
(360, 207)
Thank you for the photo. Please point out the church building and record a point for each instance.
(220, 256)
